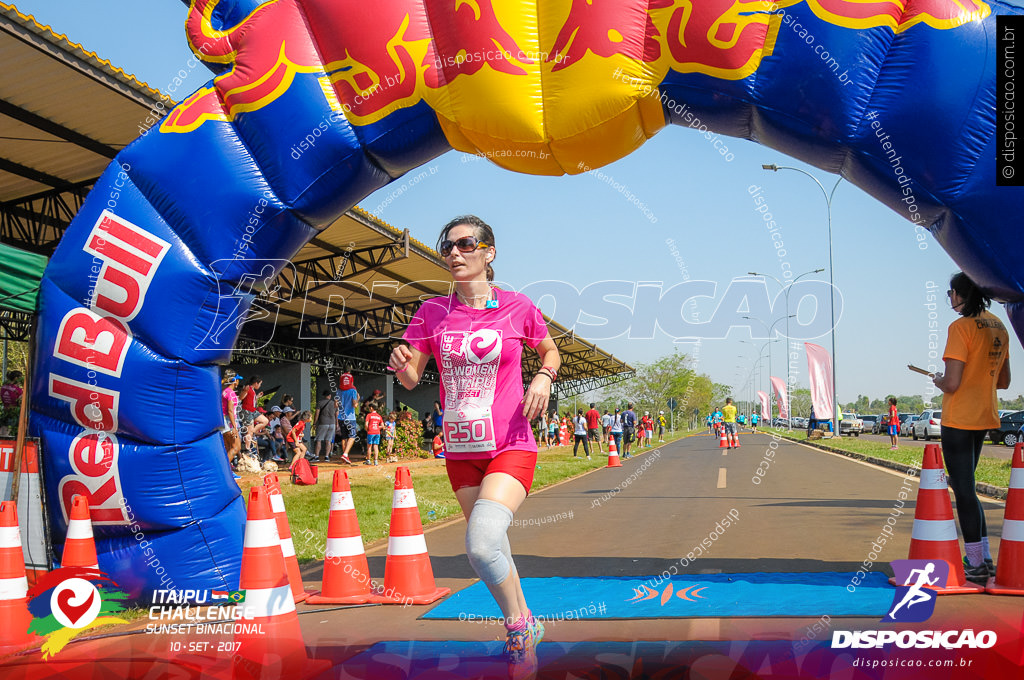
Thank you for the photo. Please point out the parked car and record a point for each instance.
(906, 422)
(1009, 425)
(870, 423)
(851, 424)
(927, 425)
(798, 423)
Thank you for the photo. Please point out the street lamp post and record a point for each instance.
(760, 356)
(771, 332)
(785, 289)
(832, 294)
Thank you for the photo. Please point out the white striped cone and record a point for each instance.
(1009, 578)
(270, 629)
(79, 545)
(346, 572)
(408, 576)
(291, 562)
(934, 534)
(613, 454)
(14, 615)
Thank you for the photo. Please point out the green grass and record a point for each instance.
(372, 488)
(990, 470)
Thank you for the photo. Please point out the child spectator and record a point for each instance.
(278, 443)
(373, 425)
(294, 436)
(438, 445)
(390, 433)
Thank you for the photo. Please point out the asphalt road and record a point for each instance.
(812, 512)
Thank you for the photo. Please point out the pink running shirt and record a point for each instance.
(480, 354)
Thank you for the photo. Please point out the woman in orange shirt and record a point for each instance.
(977, 364)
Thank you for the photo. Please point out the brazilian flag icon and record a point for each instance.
(236, 596)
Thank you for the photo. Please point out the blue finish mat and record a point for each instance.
(762, 594)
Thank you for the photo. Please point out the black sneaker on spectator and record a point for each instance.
(978, 574)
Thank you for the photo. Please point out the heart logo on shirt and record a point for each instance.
(483, 346)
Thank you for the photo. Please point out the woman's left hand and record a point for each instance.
(535, 401)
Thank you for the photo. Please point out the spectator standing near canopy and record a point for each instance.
(580, 434)
(977, 362)
(348, 397)
(325, 422)
(628, 430)
(593, 417)
(477, 337)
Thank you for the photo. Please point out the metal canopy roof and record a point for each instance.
(65, 113)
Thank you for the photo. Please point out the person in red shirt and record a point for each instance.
(593, 417)
(894, 424)
(438, 445)
(294, 436)
(373, 424)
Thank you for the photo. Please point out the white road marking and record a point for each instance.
(721, 478)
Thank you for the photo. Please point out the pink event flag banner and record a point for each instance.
(779, 385)
(765, 408)
(819, 368)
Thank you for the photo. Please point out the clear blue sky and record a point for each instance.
(581, 230)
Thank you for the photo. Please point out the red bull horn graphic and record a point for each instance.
(378, 57)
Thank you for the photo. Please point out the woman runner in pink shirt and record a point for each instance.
(477, 338)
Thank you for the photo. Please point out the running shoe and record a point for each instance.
(346, 459)
(521, 654)
(367, 462)
(537, 628)
(978, 574)
(991, 566)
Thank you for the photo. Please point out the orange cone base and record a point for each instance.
(422, 598)
(317, 597)
(994, 588)
(967, 588)
(14, 621)
(303, 596)
(613, 461)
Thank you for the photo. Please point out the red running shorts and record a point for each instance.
(519, 464)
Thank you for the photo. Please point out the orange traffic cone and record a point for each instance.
(613, 454)
(723, 440)
(284, 531)
(79, 546)
(14, 615)
(934, 534)
(1010, 570)
(269, 637)
(346, 572)
(408, 576)
(736, 439)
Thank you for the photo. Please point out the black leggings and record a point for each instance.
(961, 450)
(576, 445)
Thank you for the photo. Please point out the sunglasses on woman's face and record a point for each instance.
(466, 244)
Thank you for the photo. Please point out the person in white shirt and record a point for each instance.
(580, 434)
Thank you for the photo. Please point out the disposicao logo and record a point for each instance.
(70, 600)
(913, 601)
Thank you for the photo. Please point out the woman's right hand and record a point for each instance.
(400, 358)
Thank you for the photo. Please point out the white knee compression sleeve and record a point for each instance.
(486, 541)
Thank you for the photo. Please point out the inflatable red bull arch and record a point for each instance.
(318, 103)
